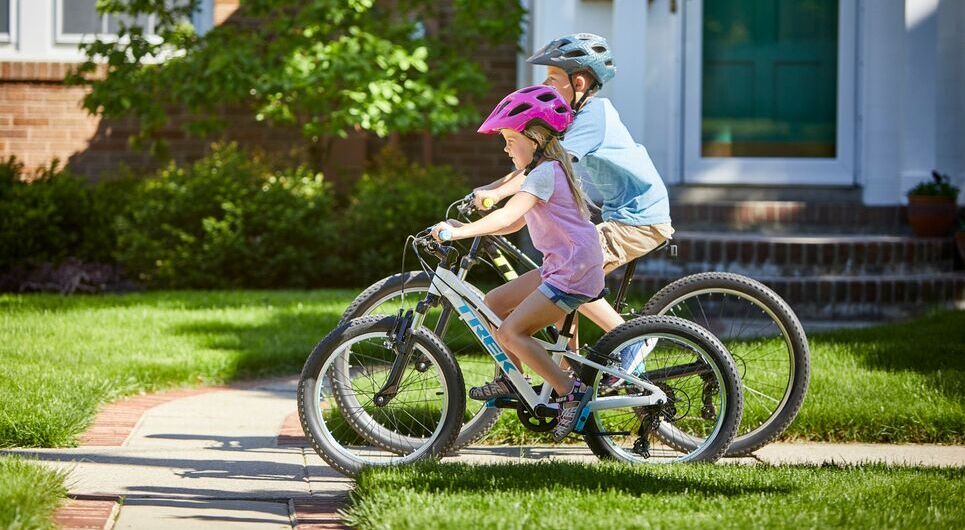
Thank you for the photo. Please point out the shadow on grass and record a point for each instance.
(525, 478)
(276, 345)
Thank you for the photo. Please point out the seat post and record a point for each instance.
(567, 330)
(625, 285)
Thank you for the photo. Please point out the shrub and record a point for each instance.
(228, 220)
(396, 198)
(45, 219)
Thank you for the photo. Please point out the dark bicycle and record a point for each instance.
(762, 333)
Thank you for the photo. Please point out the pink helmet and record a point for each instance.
(518, 109)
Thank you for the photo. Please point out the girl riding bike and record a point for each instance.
(635, 206)
(551, 203)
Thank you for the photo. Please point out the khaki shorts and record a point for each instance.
(622, 243)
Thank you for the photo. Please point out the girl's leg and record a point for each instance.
(505, 298)
(602, 314)
(533, 314)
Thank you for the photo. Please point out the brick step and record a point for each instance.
(822, 297)
(789, 217)
(837, 254)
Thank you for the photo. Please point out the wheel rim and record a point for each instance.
(343, 438)
(621, 446)
(477, 366)
(767, 389)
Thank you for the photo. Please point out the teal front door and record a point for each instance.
(767, 92)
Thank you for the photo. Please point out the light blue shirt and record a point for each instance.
(616, 170)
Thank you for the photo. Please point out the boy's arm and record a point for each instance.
(500, 181)
(502, 219)
(499, 190)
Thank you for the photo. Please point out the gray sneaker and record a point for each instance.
(571, 414)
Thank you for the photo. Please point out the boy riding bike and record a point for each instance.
(635, 207)
(550, 202)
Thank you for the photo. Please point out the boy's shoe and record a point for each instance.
(571, 409)
(631, 361)
(499, 388)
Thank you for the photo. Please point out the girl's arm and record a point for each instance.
(502, 219)
(515, 227)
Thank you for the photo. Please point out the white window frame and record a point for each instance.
(11, 35)
(837, 171)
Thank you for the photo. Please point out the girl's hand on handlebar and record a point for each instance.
(450, 227)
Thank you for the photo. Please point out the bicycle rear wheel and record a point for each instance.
(354, 361)
(764, 337)
(703, 410)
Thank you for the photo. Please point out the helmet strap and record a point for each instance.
(537, 158)
(577, 105)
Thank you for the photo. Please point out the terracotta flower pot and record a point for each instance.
(931, 216)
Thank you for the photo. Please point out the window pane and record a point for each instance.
(769, 78)
(80, 16)
(114, 26)
(4, 16)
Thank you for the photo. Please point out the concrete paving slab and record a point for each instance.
(256, 473)
(167, 514)
(855, 453)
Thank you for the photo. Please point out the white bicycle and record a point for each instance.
(386, 391)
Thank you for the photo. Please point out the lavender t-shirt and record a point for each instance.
(572, 258)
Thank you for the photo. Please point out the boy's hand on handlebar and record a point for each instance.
(484, 199)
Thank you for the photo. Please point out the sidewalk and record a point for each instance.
(236, 456)
(209, 460)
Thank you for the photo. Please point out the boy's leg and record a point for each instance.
(533, 314)
(622, 243)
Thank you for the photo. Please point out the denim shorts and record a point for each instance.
(566, 301)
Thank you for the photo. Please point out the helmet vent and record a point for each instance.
(546, 96)
(609, 62)
(574, 53)
(561, 109)
(519, 109)
(530, 89)
(599, 49)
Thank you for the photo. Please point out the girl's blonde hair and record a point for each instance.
(552, 149)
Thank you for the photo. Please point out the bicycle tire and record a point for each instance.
(799, 353)
(319, 361)
(418, 282)
(714, 446)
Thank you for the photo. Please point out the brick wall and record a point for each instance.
(480, 157)
(41, 119)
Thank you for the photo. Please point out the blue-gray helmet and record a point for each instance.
(578, 53)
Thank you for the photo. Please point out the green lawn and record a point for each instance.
(28, 494)
(559, 495)
(64, 356)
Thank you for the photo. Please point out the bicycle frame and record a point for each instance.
(474, 312)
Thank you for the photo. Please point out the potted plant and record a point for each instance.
(931, 206)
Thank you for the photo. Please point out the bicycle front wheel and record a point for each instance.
(704, 402)
(764, 337)
(353, 362)
(404, 291)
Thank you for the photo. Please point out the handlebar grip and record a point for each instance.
(445, 235)
(488, 203)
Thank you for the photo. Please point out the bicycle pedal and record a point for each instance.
(502, 403)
